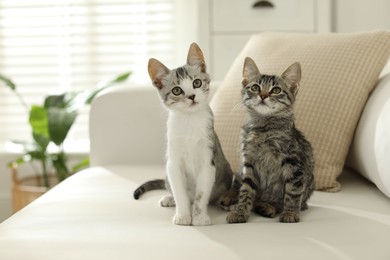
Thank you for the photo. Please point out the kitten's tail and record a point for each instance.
(158, 184)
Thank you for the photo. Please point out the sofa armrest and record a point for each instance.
(370, 150)
(127, 126)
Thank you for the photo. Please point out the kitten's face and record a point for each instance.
(266, 95)
(185, 88)
(269, 94)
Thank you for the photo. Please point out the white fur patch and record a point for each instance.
(189, 166)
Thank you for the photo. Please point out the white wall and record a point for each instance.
(360, 15)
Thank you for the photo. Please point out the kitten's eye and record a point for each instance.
(177, 91)
(276, 90)
(255, 88)
(197, 83)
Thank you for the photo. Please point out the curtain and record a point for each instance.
(52, 46)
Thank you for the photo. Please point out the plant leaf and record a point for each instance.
(104, 85)
(59, 162)
(60, 101)
(121, 77)
(20, 160)
(8, 82)
(54, 101)
(39, 120)
(12, 86)
(77, 101)
(41, 141)
(39, 124)
(60, 120)
(37, 155)
(81, 165)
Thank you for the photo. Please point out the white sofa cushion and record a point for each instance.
(92, 215)
(370, 150)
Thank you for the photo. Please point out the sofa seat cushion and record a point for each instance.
(338, 73)
(92, 215)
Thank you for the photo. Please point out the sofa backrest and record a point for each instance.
(127, 126)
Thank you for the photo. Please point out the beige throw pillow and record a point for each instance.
(338, 73)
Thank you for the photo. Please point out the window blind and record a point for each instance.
(51, 46)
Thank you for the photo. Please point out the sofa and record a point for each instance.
(92, 214)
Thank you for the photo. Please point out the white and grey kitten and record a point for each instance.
(197, 170)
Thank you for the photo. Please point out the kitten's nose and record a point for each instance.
(263, 95)
(192, 97)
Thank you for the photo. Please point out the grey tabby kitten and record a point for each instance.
(197, 170)
(276, 160)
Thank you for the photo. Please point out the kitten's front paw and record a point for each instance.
(201, 220)
(167, 201)
(237, 217)
(289, 217)
(184, 220)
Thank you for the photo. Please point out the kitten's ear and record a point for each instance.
(157, 71)
(293, 76)
(250, 71)
(195, 57)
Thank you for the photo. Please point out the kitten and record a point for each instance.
(276, 160)
(197, 170)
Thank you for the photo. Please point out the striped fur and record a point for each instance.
(277, 161)
(148, 186)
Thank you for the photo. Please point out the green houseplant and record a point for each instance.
(50, 123)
